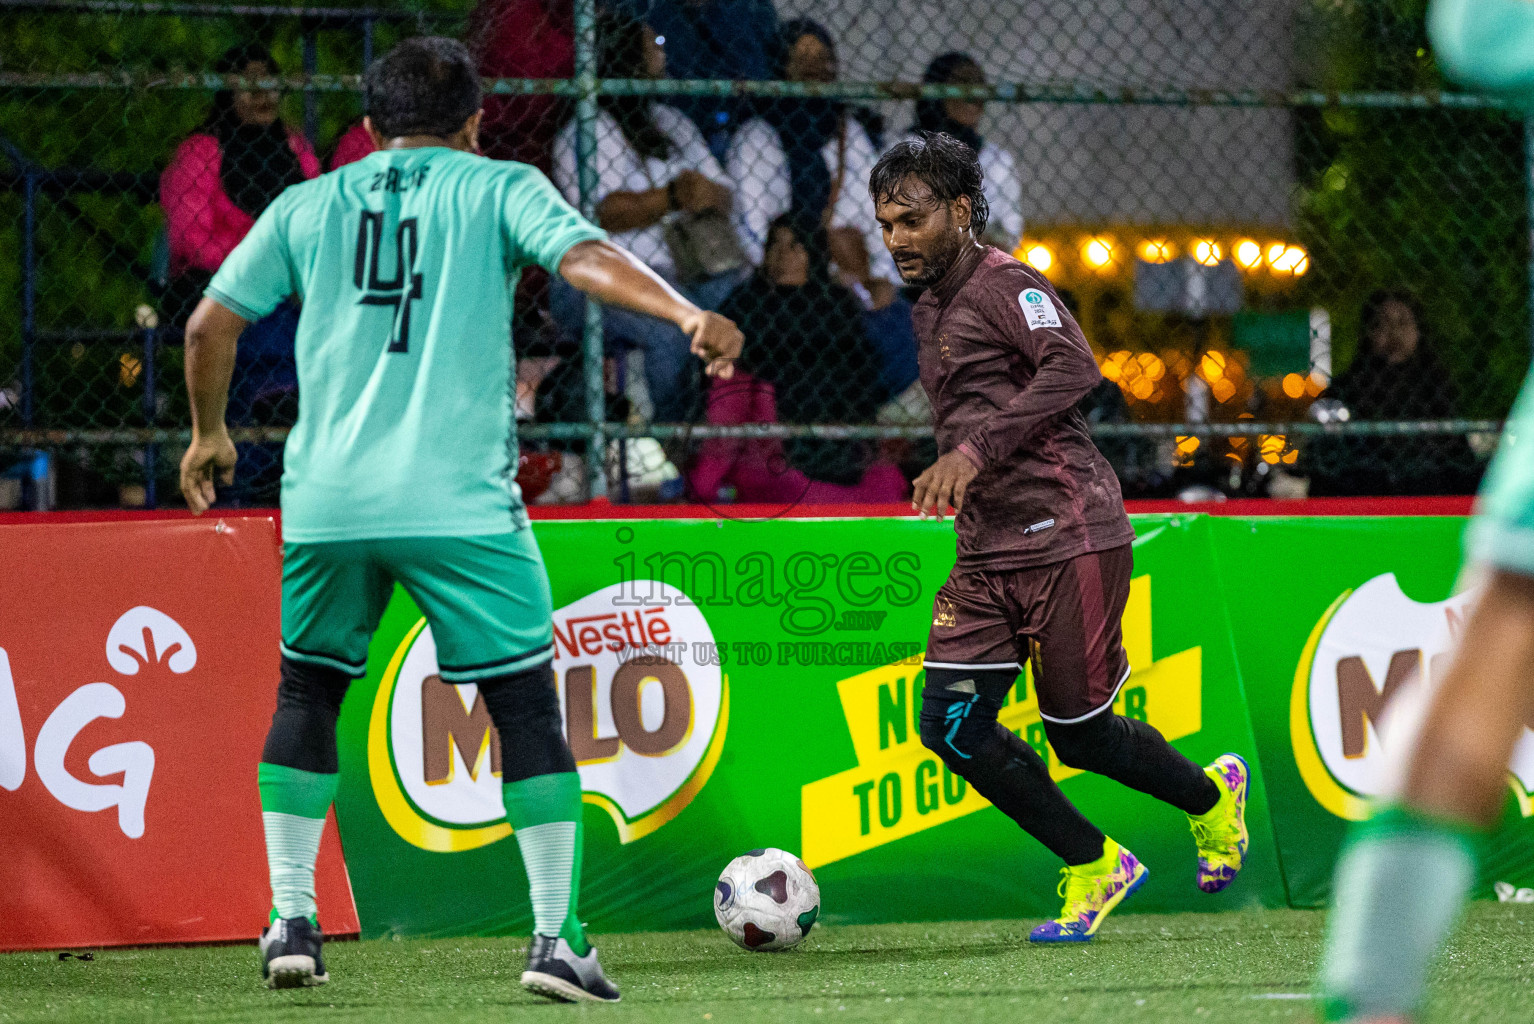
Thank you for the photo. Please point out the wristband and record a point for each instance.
(671, 202)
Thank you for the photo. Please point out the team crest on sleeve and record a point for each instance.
(1038, 309)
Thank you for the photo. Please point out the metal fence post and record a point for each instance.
(367, 55)
(151, 400)
(28, 293)
(586, 172)
(311, 66)
(1528, 199)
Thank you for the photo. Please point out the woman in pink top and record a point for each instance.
(355, 144)
(216, 185)
(225, 173)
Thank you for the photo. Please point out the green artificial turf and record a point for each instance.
(1185, 967)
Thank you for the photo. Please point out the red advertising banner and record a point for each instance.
(138, 670)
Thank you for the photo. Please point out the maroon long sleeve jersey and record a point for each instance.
(1005, 365)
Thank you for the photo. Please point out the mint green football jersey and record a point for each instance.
(1502, 533)
(405, 264)
(1489, 44)
(1485, 44)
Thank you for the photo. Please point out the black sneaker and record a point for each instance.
(555, 971)
(290, 954)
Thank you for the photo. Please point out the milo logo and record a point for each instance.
(645, 721)
(1360, 688)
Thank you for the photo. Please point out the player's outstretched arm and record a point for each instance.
(211, 335)
(610, 273)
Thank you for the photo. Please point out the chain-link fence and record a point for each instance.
(1301, 265)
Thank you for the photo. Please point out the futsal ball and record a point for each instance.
(766, 900)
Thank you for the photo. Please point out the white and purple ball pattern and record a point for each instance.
(766, 900)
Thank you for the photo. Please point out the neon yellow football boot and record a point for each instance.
(1221, 833)
(1091, 892)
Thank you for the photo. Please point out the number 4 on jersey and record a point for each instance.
(398, 291)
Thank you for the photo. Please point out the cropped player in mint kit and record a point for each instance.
(1044, 547)
(402, 466)
(1405, 873)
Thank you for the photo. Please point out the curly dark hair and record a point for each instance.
(941, 162)
(427, 85)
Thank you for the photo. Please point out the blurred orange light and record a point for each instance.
(1223, 390)
(1113, 366)
(1248, 254)
(1157, 250)
(1207, 252)
(1212, 366)
(1186, 446)
(1097, 252)
(1276, 252)
(1293, 260)
(1151, 365)
(129, 366)
(1039, 258)
(1294, 385)
(1143, 388)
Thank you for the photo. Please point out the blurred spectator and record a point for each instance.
(352, 146)
(224, 174)
(1395, 376)
(523, 39)
(806, 360)
(811, 158)
(216, 185)
(961, 118)
(651, 161)
(512, 39)
(713, 39)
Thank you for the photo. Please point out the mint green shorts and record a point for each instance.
(1502, 533)
(486, 599)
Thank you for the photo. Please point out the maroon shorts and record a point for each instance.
(1066, 618)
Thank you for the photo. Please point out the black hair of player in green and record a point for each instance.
(948, 167)
(427, 85)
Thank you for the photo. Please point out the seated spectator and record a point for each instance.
(1395, 376)
(806, 360)
(354, 144)
(712, 40)
(523, 39)
(811, 157)
(224, 174)
(961, 119)
(512, 39)
(216, 185)
(651, 161)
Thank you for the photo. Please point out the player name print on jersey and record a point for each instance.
(644, 719)
(1361, 683)
(1038, 308)
(899, 787)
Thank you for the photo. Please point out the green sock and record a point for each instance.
(1400, 884)
(545, 813)
(293, 806)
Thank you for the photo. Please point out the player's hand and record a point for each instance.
(942, 485)
(205, 458)
(715, 340)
